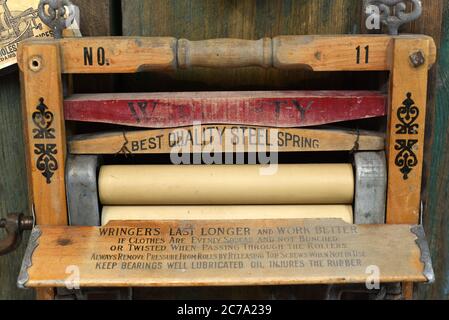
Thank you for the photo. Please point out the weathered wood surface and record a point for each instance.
(202, 19)
(430, 23)
(44, 128)
(317, 53)
(204, 253)
(245, 19)
(98, 18)
(228, 138)
(436, 218)
(44, 134)
(406, 132)
(407, 116)
(272, 108)
(13, 185)
(252, 19)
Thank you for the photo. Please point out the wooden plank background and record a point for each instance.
(246, 19)
(249, 19)
(436, 215)
(13, 184)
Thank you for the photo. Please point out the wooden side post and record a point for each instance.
(407, 115)
(44, 128)
(405, 142)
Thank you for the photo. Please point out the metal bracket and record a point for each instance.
(82, 190)
(14, 224)
(33, 242)
(57, 14)
(370, 187)
(425, 258)
(393, 12)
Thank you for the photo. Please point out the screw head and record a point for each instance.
(417, 59)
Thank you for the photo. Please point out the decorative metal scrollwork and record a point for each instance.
(406, 159)
(43, 120)
(407, 115)
(57, 14)
(393, 12)
(46, 163)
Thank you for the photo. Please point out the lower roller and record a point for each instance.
(112, 213)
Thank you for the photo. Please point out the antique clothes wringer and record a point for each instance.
(107, 217)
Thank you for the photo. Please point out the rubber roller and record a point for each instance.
(248, 212)
(226, 184)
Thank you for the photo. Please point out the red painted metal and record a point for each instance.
(259, 108)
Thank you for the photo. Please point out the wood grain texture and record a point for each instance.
(223, 253)
(317, 53)
(44, 135)
(44, 128)
(265, 18)
(309, 24)
(228, 138)
(337, 53)
(431, 23)
(264, 108)
(245, 19)
(118, 54)
(13, 185)
(98, 18)
(405, 140)
(436, 218)
(249, 19)
(434, 17)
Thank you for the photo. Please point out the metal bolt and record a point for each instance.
(26, 223)
(417, 59)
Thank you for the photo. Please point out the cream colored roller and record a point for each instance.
(226, 184)
(111, 213)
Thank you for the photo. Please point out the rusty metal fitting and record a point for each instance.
(14, 224)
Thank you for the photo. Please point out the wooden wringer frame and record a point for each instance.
(222, 210)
